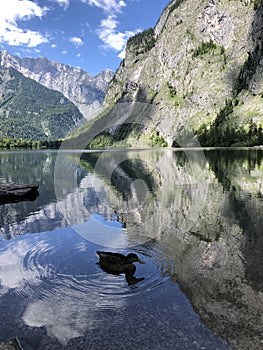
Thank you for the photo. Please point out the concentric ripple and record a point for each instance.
(72, 269)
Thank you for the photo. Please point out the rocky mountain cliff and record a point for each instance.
(200, 69)
(85, 91)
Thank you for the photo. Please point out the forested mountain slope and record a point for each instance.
(29, 110)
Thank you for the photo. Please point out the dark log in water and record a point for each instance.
(10, 193)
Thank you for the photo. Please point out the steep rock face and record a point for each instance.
(85, 91)
(202, 70)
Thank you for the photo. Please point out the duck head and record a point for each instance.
(132, 257)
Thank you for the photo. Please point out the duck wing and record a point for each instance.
(113, 258)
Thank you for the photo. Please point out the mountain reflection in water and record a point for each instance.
(194, 216)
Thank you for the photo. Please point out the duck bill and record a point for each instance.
(140, 261)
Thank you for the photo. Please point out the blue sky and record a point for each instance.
(90, 34)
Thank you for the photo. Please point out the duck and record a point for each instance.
(116, 264)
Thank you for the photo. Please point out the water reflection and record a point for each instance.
(65, 297)
(130, 186)
(152, 191)
(220, 257)
(194, 217)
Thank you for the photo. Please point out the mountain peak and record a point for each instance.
(85, 91)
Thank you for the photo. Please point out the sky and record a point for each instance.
(89, 34)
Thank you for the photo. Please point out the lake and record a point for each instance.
(195, 217)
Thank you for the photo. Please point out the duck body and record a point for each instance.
(117, 263)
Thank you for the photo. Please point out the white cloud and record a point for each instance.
(122, 3)
(17, 10)
(76, 41)
(109, 23)
(107, 32)
(63, 3)
(111, 38)
(110, 6)
(121, 55)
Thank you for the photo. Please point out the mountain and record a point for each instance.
(85, 91)
(28, 110)
(200, 71)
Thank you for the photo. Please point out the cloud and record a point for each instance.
(13, 273)
(76, 41)
(112, 38)
(121, 55)
(20, 10)
(110, 6)
(107, 32)
(109, 23)
(63, 3)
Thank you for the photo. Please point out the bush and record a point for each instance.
(172, 90)
(204, 48)
(157, 140)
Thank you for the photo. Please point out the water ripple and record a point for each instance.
(75, 273)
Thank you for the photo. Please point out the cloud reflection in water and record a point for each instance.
(64, 288)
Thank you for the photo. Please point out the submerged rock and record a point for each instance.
(12, 344)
